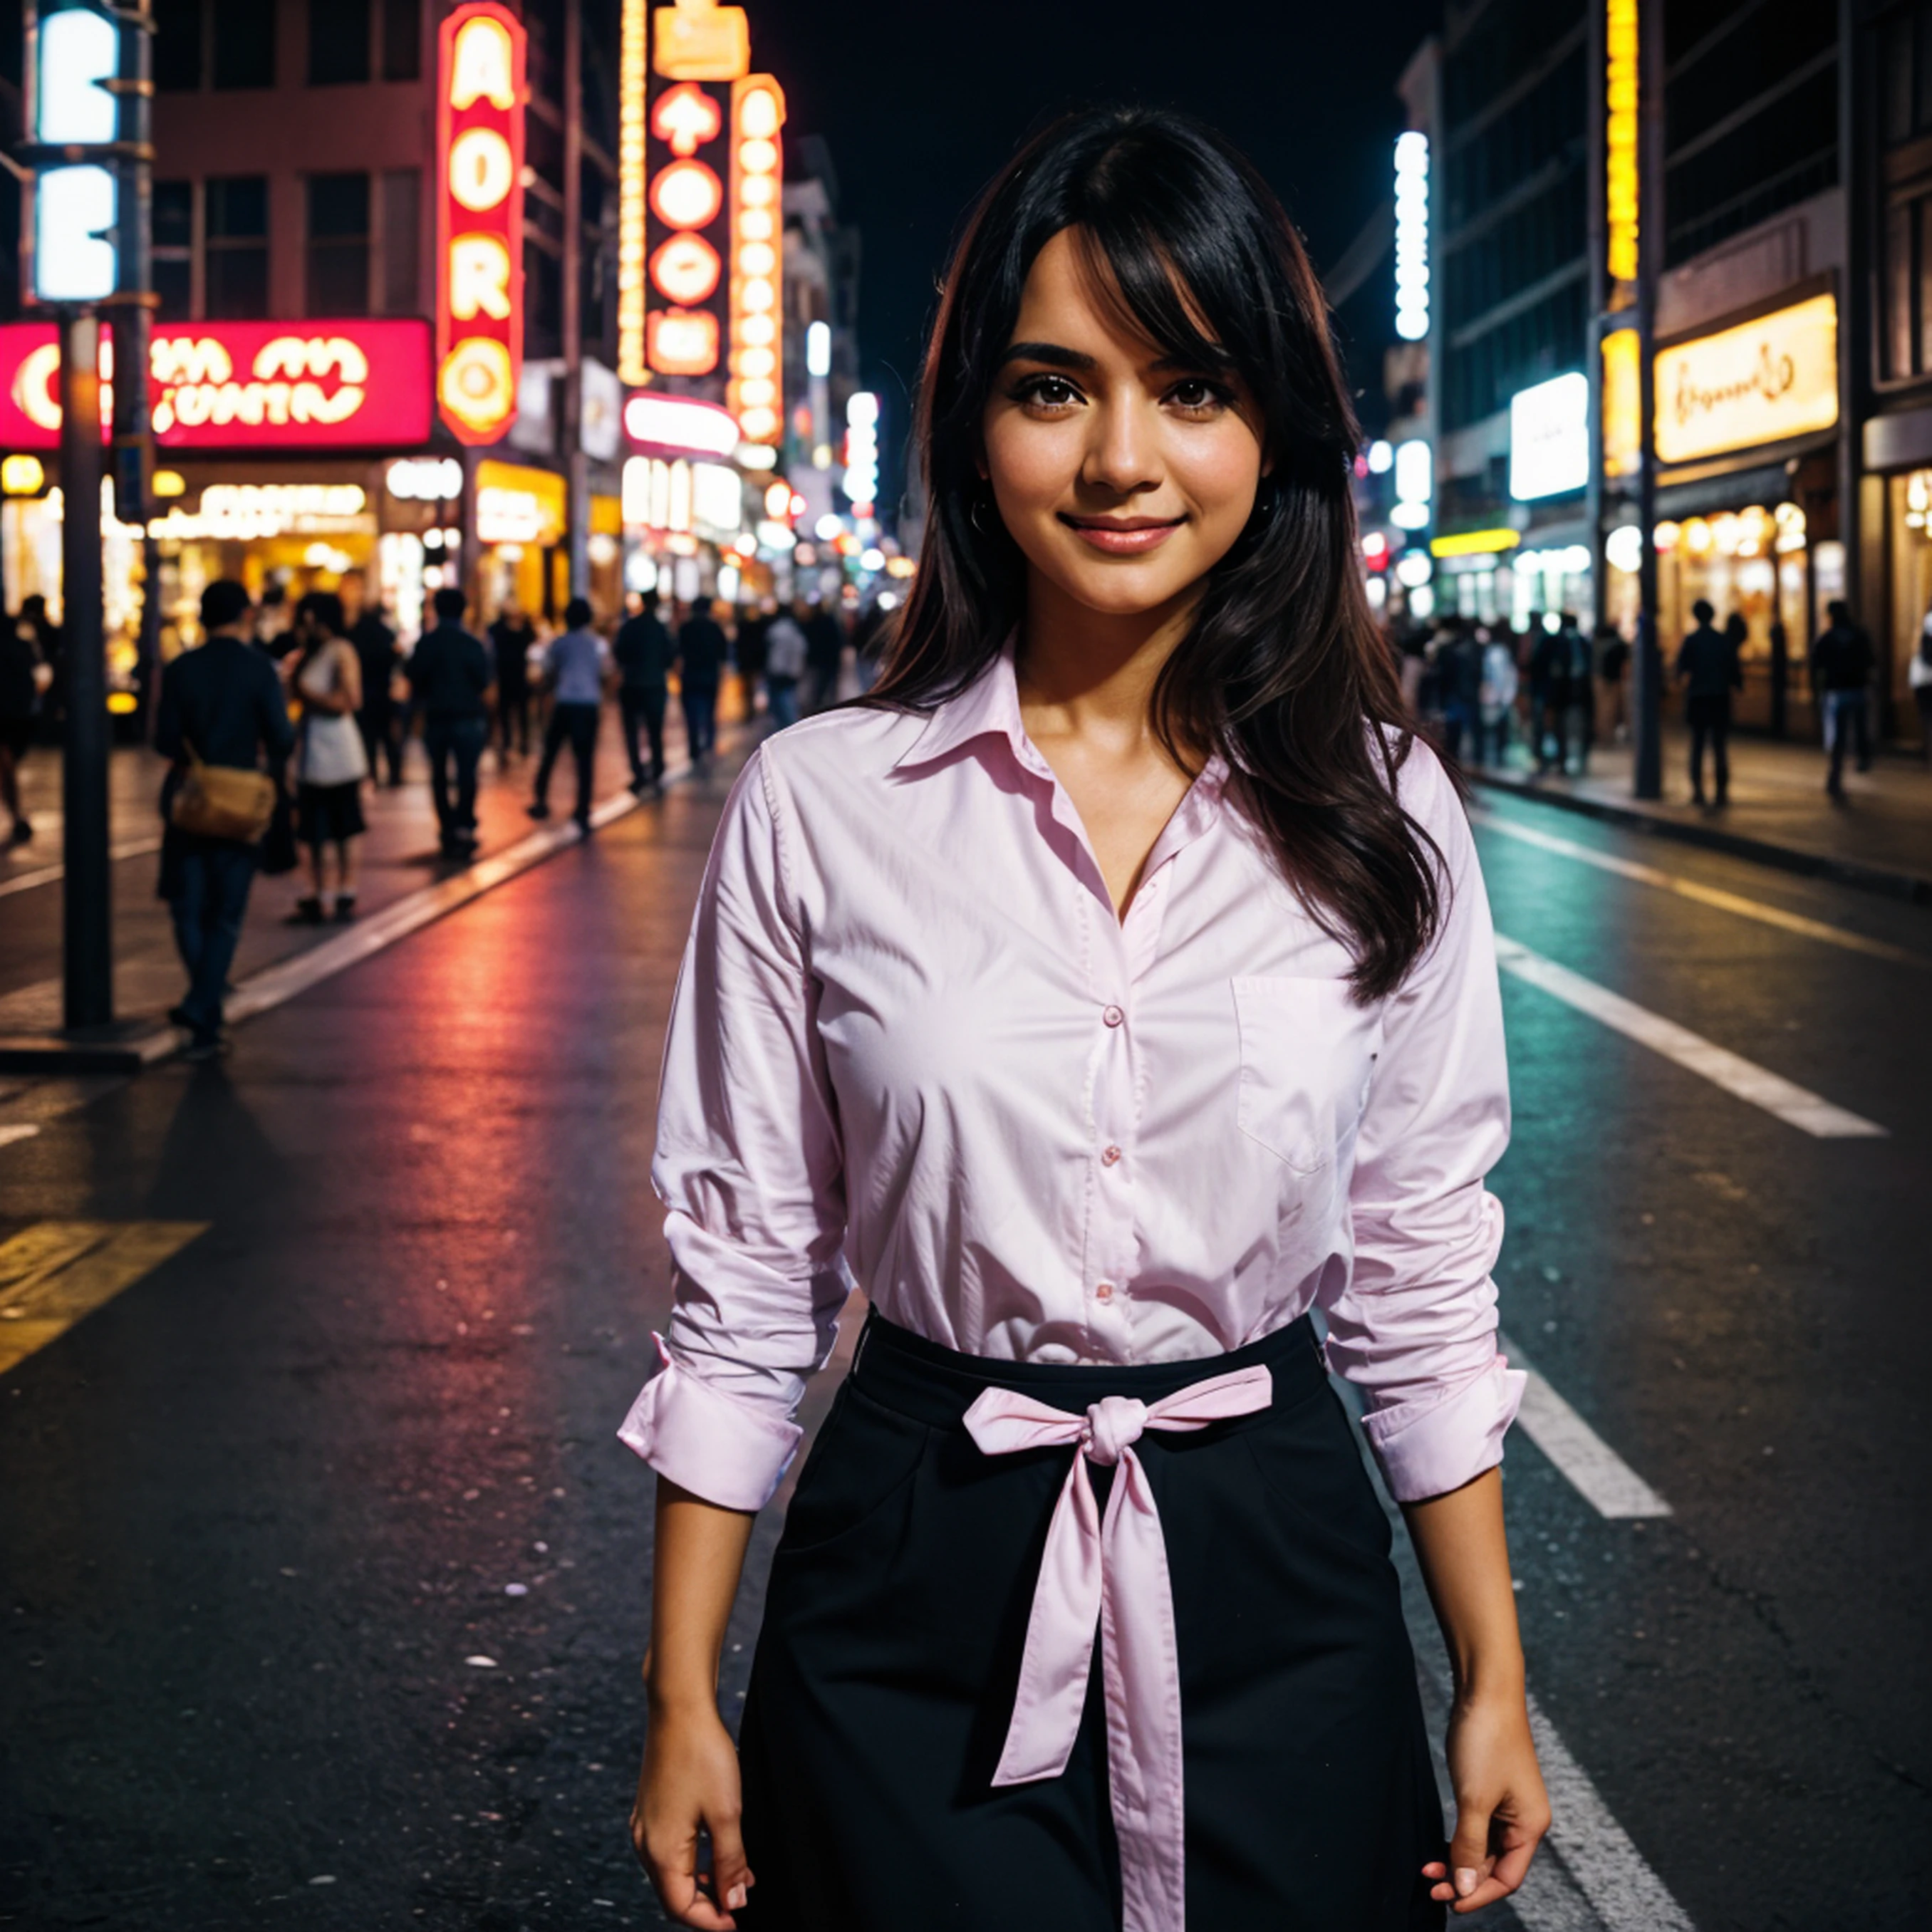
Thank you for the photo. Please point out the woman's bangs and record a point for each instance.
(1139, 279)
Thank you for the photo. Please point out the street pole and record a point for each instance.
(576, 470)
(1647, 719)
(87, 930)
(134, 304)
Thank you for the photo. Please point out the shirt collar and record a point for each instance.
(990, 706)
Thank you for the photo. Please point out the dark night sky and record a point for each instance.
(921, 103)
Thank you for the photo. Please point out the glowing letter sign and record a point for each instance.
(479, 231)
(758, 244)
(1620, 85)
(348, 385)
(632, 367)
(1412, 235)
(1760, 382)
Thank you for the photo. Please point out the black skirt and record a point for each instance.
(884, 1678)
(328, 814)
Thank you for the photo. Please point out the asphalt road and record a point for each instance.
(323, 1578)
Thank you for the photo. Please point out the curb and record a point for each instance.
(132, 1046)
(1883, 880)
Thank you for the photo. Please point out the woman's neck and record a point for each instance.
(1083, 672)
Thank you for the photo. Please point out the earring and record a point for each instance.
(973, 515)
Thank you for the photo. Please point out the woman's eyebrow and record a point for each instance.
(1048, 352)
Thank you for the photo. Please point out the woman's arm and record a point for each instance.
(1501, 1809)
(690, 1775)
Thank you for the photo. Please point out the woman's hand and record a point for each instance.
(690, 1780)
(1501, 1808)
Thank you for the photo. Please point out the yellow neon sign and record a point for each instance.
(1474, 543)
(1620, 158)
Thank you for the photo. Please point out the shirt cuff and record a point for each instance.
(727, 1451)
(1451, 1442)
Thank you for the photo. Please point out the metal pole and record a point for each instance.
(576, 470)
(89, 983)
(1647, 718)
(134, 303)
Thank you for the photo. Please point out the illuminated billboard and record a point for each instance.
(1620, 135)
(1761, 381)
(479, 226)
(757, 258)
(353, 384)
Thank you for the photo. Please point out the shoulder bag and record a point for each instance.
(223, 801)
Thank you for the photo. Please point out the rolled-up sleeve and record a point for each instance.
(748, 1166)
(1415, 1327)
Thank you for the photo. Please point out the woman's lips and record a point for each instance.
(1123, 536)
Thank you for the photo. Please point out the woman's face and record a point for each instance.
(1123, 476)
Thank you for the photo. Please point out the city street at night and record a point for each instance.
(326, 1578)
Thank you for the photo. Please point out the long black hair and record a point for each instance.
(1283, 671)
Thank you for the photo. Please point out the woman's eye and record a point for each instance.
(1197, 396)
(1051, 392)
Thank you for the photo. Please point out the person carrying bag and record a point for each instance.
(221, 718)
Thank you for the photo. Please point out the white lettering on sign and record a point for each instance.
(483, 69)
(1759, 382)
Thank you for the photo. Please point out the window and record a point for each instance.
(242, 34)
(174, 249)
(338, 244)
(236, 270)
(402, 241)
(1905, 72)
(178, 45)
(338, 42)
(402, 39)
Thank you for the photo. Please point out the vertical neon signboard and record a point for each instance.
(754, 395)
(633, 82)
(1620, 161)
(479, 220)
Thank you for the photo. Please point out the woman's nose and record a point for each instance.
(1121, 456)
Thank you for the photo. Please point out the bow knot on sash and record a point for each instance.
(1114, 1576)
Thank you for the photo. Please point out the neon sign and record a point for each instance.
(1620, 165)
(681, 187)
(758, 114)
(1412, 235)
(479, 149)
(345, 385)
(633, 30)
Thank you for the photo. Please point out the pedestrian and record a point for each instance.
(512, 635)
(1918, 674)
(380, 659)
(1497, 701)
(1550, 696)
(1612, 669)
(643, 649)
(1459, 684)
(701, 645)
(576, 666)
(25, 676)
(331, 762)
(955, 1020)
(50, 639)
(222, 717)
(1707, 668)
(748, 647)
(1580, 669)
(451, 675)
(785, 650)
(824, 657)
(1842, 663)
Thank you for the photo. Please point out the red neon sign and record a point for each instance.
(308, 385)
(479, 224)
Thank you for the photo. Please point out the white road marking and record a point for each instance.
(1595, 1470)
(45, 875)
(1689, 889)
(1595, 1851)
(20, 1130)
(1796, 1106)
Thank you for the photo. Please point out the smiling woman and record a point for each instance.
(1110, 991)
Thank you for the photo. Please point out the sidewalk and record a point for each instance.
(1879, 839)
(399, 856)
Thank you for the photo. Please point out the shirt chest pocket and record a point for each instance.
(1308, 1054)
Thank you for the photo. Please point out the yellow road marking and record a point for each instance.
(55, 1272)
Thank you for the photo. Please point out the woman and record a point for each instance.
(1112, 987)
(331, 762)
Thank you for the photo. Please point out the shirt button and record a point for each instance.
(1112, 1015)
(1103, 1290)
(1112, 1154)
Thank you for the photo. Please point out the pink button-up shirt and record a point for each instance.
(913, 1045)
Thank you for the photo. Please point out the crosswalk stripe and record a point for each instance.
(1704, 894)
(46, 875)
(1594, 1470)
(55, 1272)
(1796, 1106)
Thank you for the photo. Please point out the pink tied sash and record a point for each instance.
(1114, 1574)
